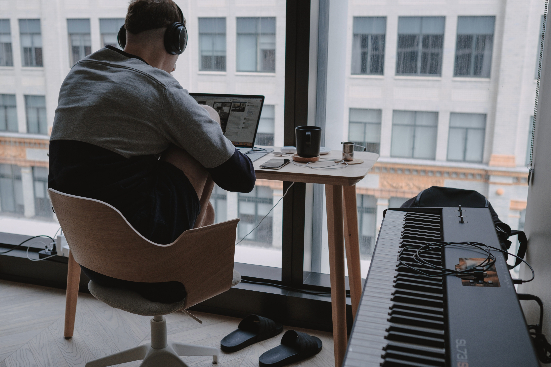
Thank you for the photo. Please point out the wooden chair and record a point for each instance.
(102, 240)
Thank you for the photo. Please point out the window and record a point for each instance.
(368, 45)
(8, 113)
(420, 44)
(473, 50)
(219, 202)
(414, 134)
(252, 207)
(212, 44)
(31, 42)
(42, 205)
(80, 43)
(367, 224)
(466, 137)
(11, 189)
(36, 114)
(256, 44)
(265, 133)
(364, 129)
(109, 29)
(6, 54)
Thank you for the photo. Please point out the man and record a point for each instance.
(125, 132)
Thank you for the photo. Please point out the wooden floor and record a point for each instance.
(31, 332)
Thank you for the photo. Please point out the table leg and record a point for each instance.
(73, 280)
(352, 246)
(335, 231)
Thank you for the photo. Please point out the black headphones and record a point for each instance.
(175, 36)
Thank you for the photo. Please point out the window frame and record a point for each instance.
(413, 137)
(4, 111)
(36, 58)
(42, 125)
(368, 53)
(6, 48)
(212, 50)
(258, 35)
(419, 49)
(475, 42)
(466, 142)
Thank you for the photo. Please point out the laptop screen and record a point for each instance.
(239, 115)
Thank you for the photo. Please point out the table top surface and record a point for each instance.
(315, 172)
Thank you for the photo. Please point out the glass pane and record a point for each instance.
(402, 141)
(456, 144)
(475, 145)
(425, 142)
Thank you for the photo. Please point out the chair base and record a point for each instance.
(165, 354)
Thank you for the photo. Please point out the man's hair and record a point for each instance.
(144, 15)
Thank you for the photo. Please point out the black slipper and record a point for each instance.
(295, 347)
(252, 329)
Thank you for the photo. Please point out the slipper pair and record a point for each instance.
(295, 345)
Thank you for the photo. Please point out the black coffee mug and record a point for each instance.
(308, 141)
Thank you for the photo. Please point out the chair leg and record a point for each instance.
(73, 279)
(196, 350)
(128, 355)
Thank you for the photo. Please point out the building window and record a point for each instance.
(368, 45)
(265, 133)
(252, 207)
(31, 42)
(80, 43)
(420, 44)
(364, 129)
(36, 114)
(219, 202)
(42, 205)
(466, 137)
(11, 189)
(8, 113)
(212, 44)
(6, 53)
(414, 134)
(256, 44)
(473, 50)
(367, 224)
(109, 29)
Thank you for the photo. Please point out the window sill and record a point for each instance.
(7, 68)
(470, 79)
(254, 73)
(32, 68)
(6, 134)
(418, 77)
(206, 72)
(367, 76)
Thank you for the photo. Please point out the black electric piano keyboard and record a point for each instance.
(407, 319)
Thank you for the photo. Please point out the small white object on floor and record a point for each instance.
(324, 150)
(288, 150)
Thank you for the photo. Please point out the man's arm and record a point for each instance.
(236, 174)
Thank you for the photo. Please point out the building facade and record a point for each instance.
(443, 90)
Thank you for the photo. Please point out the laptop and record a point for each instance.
(239, 118)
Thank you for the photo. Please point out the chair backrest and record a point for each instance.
(102, 240)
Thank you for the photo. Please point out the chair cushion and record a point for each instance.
(131, 301)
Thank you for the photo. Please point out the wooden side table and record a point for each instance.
(342, 222)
